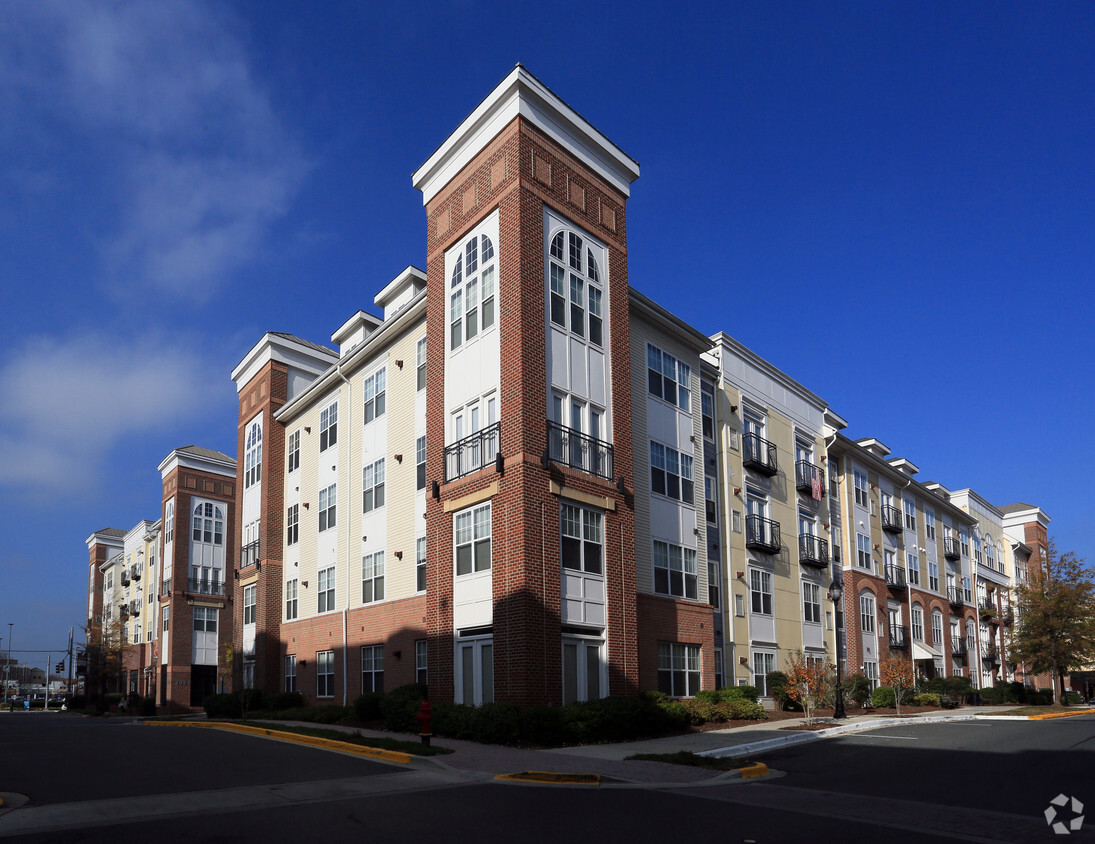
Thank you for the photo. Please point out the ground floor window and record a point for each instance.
(475, 670)
(372, 668)
(678, 669)
(291, 673)
(325, 674)
(763, 665)
(870, 671)
(249, 672)
(720, 669)
(420, 661)
(583, 669)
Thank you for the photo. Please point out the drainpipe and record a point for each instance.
(346, 524)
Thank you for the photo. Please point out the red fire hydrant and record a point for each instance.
(424, 723)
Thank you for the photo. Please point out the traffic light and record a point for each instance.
(60, 669)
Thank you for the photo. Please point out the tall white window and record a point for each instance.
(375, 388)
(671, 473)
(867, 612)
(582, 541)
(208, 524)
(326, 591)
(325, 674)
(668, 378)
(678, 669)
(252, 471)
(763, 665)
(290, 672)
(863, 551)
(421, 661)
(918, 623)
(472, 290)
(472, 530)
(859, 481)
(420, 564)
(811, 602)
(328, 427)
(372, 668)
(292, 446)
(929, 524)
(328, 499)
(910, 514)
(291, 609)
(292, 525)
(675, 570)
(475, 670)
(420, 463)
(583, 669)
(421, 370)
(575, 290)
(372, 577)
(933, 576)
(760, 591)
(372, 486)
(913, 563)
(937, 628)
(250, 593)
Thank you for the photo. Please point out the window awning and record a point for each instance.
(924, 651)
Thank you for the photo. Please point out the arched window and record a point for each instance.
(866, 612)
(208, 524)
(937, 628)
(918, 622)
(472, 290)
(252, 471)
(576, 287)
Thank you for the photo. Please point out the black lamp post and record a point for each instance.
(835, 595)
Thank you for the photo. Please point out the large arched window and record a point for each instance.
(577, 289)
(937, 628)
(918, 622)
(252, 471)
(472, 290)
(208, 524)
(867, 611)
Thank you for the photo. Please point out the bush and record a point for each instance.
(283, 700)
(708, 696)
(777, 689)
(400, 707)
(883, 697)
(746, 710)
(1042, 697)
(748, 693)
(960, 688)
(367, 706)
(616, 718)
(496, 723)
(222, 706)
(543, 726)
(928, 699)
(857, 688)
(148, 706)
(1073, 697)
(452, 720)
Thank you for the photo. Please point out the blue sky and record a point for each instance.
(177, 178)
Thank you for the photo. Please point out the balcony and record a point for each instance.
(989, 655)
(125, 577)
(135, 607)
(762, 535)
(899, 638)
(206, 587)
(805, 472)
(955, 597)
(812, 550)
(472, 453)
(895, 577)
(570, 447)
(959, 647)
(759, 454)
(123, 610)
(987, 609)
(891, 519)
(136, 573)
(249, 554)
(1008, 618)
(952, 549)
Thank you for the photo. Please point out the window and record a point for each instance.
(292, 525)
(475, 671)
(933, 576)
(375, 395)
(472, 540)
(929, 524)
(711, 508)
(675, 570)
(834, 478)
(422, 364)
(136, 633)
(870, 671)
(735, 521)
(707, 410)
(671, 473)
(964, 539)
(760, 591)
(913, 563)
(290, 672)
(294, 461)
(967, 594)
(678, 669)
(471, 302)
(325, 674)
(937, 629)
(860, 482)
(421, 661)
(863, 551)
(668, 378)
(811, 602)
(372, 668)
(739, 606)
(977, 553)
(372, 486)
(291, 588)
(205, 620)
(208, 524)
(372, 577)
(910, 514)
(574, 275)
(918, 623)
(328, 427)
(582, 542)
(420, 564)
(420, 463)
(249, 596)
(327, 502)
(713, 581)
(763, 665)
(252, 471)
(989, 561)
(169, 521)
(583, 669)
(326, 590)
(166, 618)
(866, 612)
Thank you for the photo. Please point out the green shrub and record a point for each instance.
(745, 710)
(857, 688)
(283, 700)
(928, 699)
(543, 726)
(400, 707)
(616, 718)
(655, 696)
(367, 706)
(675, 714)
(148, 706)
(777, 689)
(1073, 697)
(452, 720)
(496, 723)
(883, 696)
(708, 696)
(748, 693)
(959, 688)
(222, 706)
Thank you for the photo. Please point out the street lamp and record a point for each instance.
(835, 594)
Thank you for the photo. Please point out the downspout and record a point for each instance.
(346, 522)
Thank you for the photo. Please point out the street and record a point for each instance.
(90, 780)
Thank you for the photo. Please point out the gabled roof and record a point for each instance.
(303, 342)
(112, 532)
(207, 453)
(1018, 507)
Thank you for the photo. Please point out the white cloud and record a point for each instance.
(192, 161)
(67, 403)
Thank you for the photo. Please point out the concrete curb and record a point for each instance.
(552, 778)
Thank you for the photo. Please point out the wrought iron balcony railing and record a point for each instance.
(759, 454)
(959, 647)
(762, 535)
(136, 573)
(813, 551)
(899, 637)
(952, 548)
(206, 587)
(990, 655)
(805, 472)
(891, 519)
(895, 577)
(249, 554)
(955, 596)
(473, 452)
(570, 447)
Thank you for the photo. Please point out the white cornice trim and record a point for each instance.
(183, 459)
(522, 94)
(724, 340)
(283, 350)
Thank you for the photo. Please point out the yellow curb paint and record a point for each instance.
(552, 777)
(311, 741)
(757, 770)
(1049, 715)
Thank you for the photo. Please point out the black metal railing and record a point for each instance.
(952, 549)
(759, 454)
(136, 573)
(570, 447)
(813, 551)
(891, 519)
(249, 554)
(123, 610)
(762, 534)
(990, 655)
(955, 596)
(899, 637)
(895, 577)
(134, 607)
(125, 577)
(959, 647)
(206, 587)
(805, 471)
(473, 452)
(987, 608)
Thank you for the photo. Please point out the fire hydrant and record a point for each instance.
(424, 723)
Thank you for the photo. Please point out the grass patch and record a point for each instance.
(413, 747)
(685, 757)
(1042, 710)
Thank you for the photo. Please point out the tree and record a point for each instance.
(897, 673)
(107, 645)
(809, 680)
(1055, 625)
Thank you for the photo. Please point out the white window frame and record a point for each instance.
(811, 602)
(252, 472)
(293, 449)
(589, 678)
(292, 591)
(762, 664)
(328, 509)
(867, 608)
(325, 593)
(918, 622)
(576, 295)
(372, 577)
(680, 396)
(861, 495)
(328, 426)
(292, 525)
(372, 668)
(420, 369)
(472, 531)
(325, 674)
(290, 672)
(679, 669)
(675, 570)
(372, 486)
(676, 471)
(473, 290)
(250, 601)
(760, 591)
(421, 661)
(477, 687)
(420, 571)
(375, 390)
